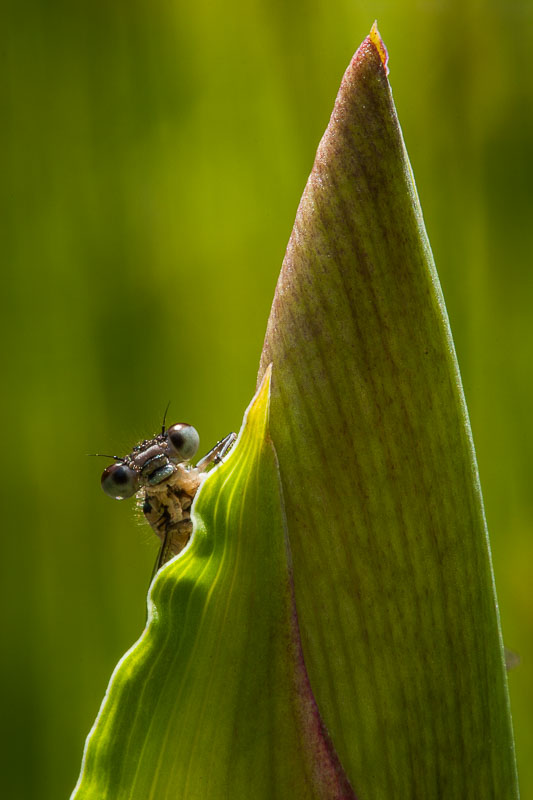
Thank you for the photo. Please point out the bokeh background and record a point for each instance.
(153, 156)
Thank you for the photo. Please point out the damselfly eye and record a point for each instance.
(120, 481)
(183, 440)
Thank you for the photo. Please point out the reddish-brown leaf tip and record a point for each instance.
(375, 38)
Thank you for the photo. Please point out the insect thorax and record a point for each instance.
(167, 507)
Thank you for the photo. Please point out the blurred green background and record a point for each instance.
(153, 157)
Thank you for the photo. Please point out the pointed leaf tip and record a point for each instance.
(256, 415)
(379, 44)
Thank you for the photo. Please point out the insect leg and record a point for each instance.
(218, 452)
(161, 556)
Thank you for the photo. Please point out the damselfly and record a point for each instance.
(158, 471)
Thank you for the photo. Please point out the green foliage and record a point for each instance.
(153, 155)
(393, 580)
(213, 701)
(392, 572)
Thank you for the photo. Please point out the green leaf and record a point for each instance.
(392, 571)
(213, 701)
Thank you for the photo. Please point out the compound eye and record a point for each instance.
(183, 441)
(120, 481)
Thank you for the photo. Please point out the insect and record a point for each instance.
(158, 471)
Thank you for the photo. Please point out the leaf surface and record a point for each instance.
(214, 701)
(393, 579)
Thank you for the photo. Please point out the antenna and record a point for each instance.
(165, 417)
(104, 455)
